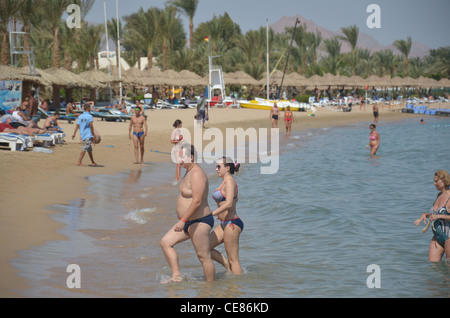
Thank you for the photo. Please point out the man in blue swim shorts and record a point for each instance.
(138, 124)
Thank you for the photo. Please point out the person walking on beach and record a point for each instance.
(139, 126)
(374, 140)
(201, 110)
(439, 217)
(231, 226)
(85, 123)
(195, 218)
(375, 113)
(274, 113)
(176, 139)
(288, 119)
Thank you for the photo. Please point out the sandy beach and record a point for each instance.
(38, 180)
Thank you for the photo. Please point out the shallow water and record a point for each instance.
(311, 230)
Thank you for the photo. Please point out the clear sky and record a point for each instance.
(426, 21)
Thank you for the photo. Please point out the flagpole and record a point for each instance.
(118, 50)
(107, 47)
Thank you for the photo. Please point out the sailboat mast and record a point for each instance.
(289, 53)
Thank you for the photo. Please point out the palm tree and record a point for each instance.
(53, 11)
(440, 61)
(167, 22)
(26, 14)
(113, 33)
(299, 52)
(333, 48)
(188, 7)
(143, 24)
(404, 47)
(386, 62)
(351, 37)
(8, 8)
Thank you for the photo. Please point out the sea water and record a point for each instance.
(316, 228)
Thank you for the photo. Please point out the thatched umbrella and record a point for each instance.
(240, 78)
(70, 79)
(354, 80)
(22, 74)
(97, 76)
(189, 78)
(444, 82)
(296, 80)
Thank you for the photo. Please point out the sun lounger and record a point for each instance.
(51, 139)
(47, 114)
(16, 142)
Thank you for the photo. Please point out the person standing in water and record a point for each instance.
(231, 226)
(288, 119)
(439, 217)
(194, 215)
(274, 113)
(374, 140)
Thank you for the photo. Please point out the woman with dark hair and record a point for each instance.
(374, 140)
(231, 226)
(439, 218)
(176, 139)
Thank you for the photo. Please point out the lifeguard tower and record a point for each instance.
(16, 49)
(216, 82)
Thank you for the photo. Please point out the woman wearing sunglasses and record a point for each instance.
(374, 140)
(231, 226)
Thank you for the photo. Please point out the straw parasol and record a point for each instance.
(23, 74)
(354, 80)
(295, 79)
(69, 79)
(100, 77)
(240, 78)
(191, 79)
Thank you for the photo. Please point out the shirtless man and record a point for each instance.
(195, 218)
(274, 113)
(33, 108)
(51, 123)
(375, 113)
(138, 123)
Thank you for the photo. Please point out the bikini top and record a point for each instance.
(218, 195)
(373, 137)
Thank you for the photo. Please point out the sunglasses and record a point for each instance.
(218, 167)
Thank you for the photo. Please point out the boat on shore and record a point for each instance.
(265, 104)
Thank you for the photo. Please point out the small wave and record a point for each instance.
(140, 216)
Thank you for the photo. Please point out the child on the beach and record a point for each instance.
(138, 123)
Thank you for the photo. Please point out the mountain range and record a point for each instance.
(365, 41)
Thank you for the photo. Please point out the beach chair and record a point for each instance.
(16, 142)
(46, 114)
(46, 139)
